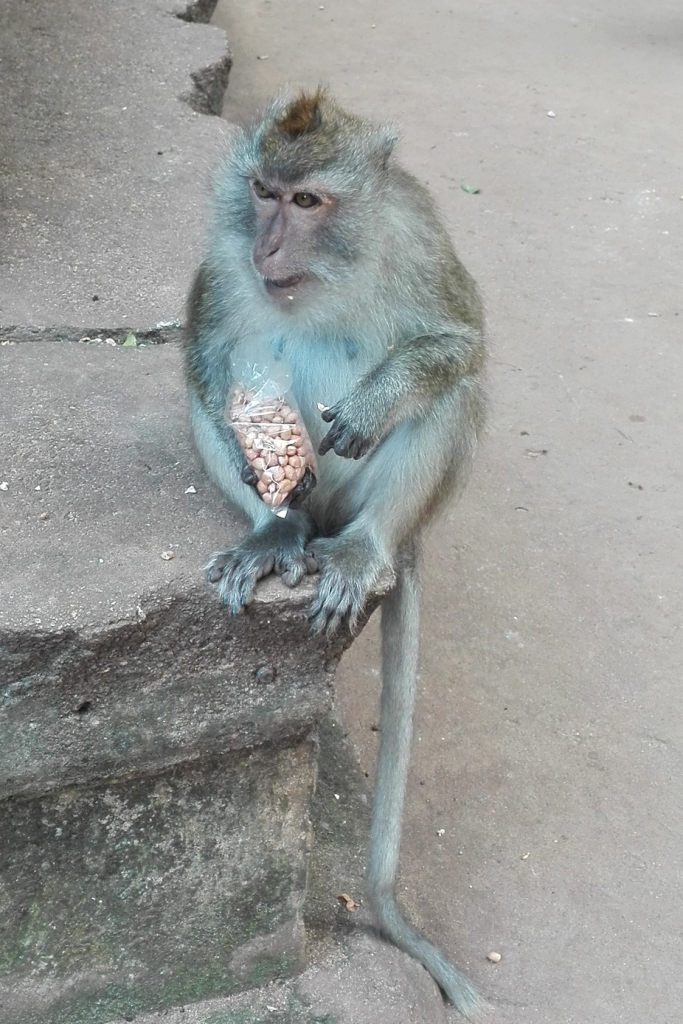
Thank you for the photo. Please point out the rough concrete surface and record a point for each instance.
(96, 440)
(364, 981)
(155, 891)
(340, 816)
(549, 731)
(103, 173)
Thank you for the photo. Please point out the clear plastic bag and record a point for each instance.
(271, 433)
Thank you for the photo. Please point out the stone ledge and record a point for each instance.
(104, 157)
(113, 660)
(185, 681)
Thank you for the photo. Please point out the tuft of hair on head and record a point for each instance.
(303, 114)
(304, 134)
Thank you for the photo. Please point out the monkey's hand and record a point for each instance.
(353, 432)
(297, 495)
(304, 487)
(277, 547)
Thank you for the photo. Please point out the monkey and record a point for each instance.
(326, 251)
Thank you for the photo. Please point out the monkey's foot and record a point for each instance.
(237, 570)
(348, 572)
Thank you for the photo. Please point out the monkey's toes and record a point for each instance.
(215, 568)
(292, 565)
(291, 572)
(334, 606)
(311, 562)
(324, 620)
(236, 572)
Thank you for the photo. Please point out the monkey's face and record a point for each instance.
(290, 224)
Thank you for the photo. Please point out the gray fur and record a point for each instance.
(390, 338)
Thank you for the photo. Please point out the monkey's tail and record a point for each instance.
(400, 638)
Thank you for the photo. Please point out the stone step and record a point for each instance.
(157, 755)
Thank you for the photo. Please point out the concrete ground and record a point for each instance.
(544, 815)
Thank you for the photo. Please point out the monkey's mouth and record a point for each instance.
(283, 285)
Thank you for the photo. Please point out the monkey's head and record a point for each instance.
(299, 185)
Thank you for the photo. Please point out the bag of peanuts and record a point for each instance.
(271, 433)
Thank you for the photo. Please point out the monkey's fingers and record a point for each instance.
(303, 488)
(345, 441)
(342, 441)
(327, 442)
(249, 476)
(332, 436)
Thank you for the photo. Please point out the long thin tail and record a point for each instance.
(400, 638)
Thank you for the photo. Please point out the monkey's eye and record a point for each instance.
(306, 199)
(261, 191)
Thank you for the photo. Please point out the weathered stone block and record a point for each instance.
(156, 891)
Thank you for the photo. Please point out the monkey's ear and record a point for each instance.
(388, 137)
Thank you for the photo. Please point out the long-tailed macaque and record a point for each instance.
(325, 251)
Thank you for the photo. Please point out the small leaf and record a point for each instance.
(473, 189)
(130, 341)
(348, 902)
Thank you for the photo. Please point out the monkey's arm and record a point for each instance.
(401, 386)
(275, 545)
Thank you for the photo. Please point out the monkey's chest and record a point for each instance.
(321, 375)
(323, 372)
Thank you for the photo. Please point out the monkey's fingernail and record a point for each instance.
(322, 408)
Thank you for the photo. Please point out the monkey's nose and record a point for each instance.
(265, 249)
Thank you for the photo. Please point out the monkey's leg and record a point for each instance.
(394, 494)
(400, 629)
(275, 545)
